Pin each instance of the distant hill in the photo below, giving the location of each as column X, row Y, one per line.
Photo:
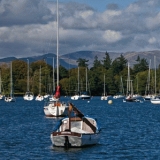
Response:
column 69, row 60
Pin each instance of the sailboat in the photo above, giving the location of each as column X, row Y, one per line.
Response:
column 29, row 96
column 156, row 98
column 10, row 98
column 56, row 108
column 121, row 94
column 77, row 94
column 104, row 96
column 1, row 95
column 52, row 96
column 46, row 95
column 39, row 96
column 76, row 130
column 129, row 97
column 136, row 95
column 148, row 94
column 85, row 94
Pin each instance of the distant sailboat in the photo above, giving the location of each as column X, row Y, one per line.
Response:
column 28, row 95
column 10, row 98
column 104, row 96
column 120, row 95
column 148, row 94
column 156, row 98
column 39, row 96
column 129, row 97
column 85, row 94
column 77, row 94
column 52, row 96
column 1, row 94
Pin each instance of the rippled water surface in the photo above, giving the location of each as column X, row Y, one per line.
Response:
column 129, row 131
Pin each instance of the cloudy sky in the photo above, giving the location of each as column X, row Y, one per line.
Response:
column 28, row 27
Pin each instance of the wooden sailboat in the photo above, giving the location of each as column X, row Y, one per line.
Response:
column 104, row 96
column 76, row 130
column 29, row 96
column 11, row 97
column 39, row 97
column 56, row 108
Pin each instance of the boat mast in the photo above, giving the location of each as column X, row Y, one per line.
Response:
column 86, row 78
column 11, row 80
column 104, row 86
column 0, row 83
column 28, row 76
column 78, row 79
column 149, row 76
column 122, row 88
column 53, row 77
column 128, row 81
column 155, row 73
column 57, row 44
column 40, row 80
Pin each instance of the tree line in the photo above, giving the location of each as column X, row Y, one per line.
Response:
column 68, row 78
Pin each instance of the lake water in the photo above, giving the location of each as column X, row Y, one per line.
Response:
column 129, row 131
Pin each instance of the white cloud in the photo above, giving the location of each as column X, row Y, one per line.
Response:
column 28, row 27
column 112, row 36
column 152, row 40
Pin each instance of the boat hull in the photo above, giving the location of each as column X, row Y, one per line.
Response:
column 60, row 139
column 118, row 97
column 28, row 96
column 85, row 97
column 10, row 99
column 155, row 101
column 1, row 97
column 54, row 109
column 104, row 98
column 76, row 97
column 39, row 98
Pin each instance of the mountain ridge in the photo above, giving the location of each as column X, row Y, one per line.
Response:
column 69, row 60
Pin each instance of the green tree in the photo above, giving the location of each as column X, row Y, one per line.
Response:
column 142, row 65
column 96, row 63
column 119, row 64
column 107, row 61
column 82, row 62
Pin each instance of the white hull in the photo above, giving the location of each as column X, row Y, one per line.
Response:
column 83, row 131
column 85, row 96
column 75, row 97
column 1, row 97
column 28, row 97
column 104, row 97
column 55, row 109
column 155, row 100
column 46, row 96
column 137, row 96
column 39, row 98
column 75, row 140
column 148, row 97
column 10, row 99
column 118, row 97
column 53, row 99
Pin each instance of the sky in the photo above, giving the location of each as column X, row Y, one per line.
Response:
column 29, row 27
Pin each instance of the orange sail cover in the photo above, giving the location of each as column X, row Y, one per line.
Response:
column 57, row 94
